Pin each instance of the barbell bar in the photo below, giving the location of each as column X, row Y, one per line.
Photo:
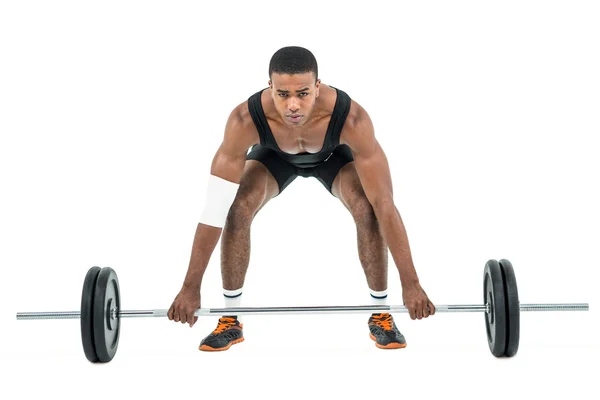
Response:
column 203, row 312
column 100, row 313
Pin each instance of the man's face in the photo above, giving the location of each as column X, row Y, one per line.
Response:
column 294, row 96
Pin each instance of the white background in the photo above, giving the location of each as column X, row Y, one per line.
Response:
column 110, row 113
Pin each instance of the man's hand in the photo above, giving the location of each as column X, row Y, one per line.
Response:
column 416, row 301
column 185, row 304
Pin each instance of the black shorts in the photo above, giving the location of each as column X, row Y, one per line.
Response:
column 284, row 172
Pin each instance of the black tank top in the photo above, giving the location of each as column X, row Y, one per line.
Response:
column 303, row 160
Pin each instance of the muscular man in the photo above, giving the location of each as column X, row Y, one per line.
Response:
column 299, row 126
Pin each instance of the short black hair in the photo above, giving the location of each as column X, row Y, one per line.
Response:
column 293, row 60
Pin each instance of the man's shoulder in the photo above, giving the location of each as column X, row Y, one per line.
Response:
column 241, row 122
column 355, row 110
column 242, row 110
column 356, row 114
column 240, row 117
column 358, row 126
column 240, row 129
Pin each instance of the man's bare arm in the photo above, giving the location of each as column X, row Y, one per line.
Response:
column 374, row 173
column 227, row 164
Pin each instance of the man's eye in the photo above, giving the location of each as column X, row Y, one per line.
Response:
column 303, row 94
column 282, row 94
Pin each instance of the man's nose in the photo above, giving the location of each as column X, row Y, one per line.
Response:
column 293, row 105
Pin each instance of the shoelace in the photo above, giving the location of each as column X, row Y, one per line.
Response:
column 384, row 320
column 224, row 324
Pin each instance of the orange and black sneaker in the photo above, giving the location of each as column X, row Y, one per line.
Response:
column 229, row 331
column 385, row 333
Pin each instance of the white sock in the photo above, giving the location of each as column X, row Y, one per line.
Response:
column 233, row 298
column 378, row 298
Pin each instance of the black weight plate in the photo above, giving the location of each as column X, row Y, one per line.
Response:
column 106, row 323
column 493, row 294
column 87, row 312
column 513, row 309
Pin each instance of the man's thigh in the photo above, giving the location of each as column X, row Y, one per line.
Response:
column 336, row 165
column 281, row 172
column 257, row 185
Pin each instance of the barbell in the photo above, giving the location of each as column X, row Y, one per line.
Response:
column 101, row 312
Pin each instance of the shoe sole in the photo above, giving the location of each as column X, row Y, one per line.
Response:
column 208, row 348
column 393, row 345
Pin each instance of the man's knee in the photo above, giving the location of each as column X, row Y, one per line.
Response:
column 257, row 186
column 243, row 209
column 361, row 209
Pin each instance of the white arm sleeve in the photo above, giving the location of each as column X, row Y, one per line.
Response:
column 220, row 194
